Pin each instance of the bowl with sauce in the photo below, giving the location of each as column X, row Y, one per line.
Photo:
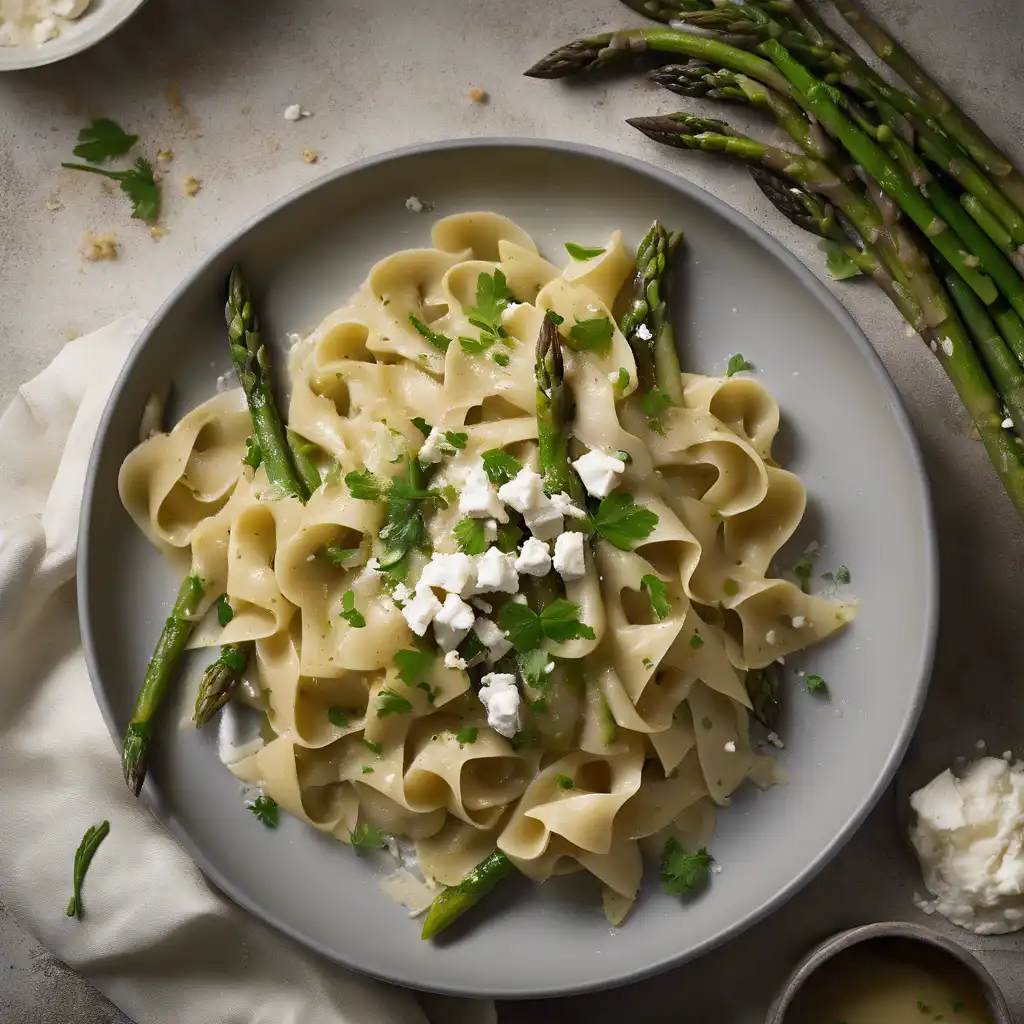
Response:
column 892, row 972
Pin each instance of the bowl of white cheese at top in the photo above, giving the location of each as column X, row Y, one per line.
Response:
column 37, row 32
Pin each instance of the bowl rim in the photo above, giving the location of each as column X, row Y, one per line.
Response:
column 804, row 276
column 841, row 941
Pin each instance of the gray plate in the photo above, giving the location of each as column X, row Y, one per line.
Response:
column 846, row 434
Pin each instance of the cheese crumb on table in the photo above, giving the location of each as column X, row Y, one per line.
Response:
column 99, row 247
column 415, row 205
column 190, row 185
column 294, row 112
column 478, row 95
column 310, row 156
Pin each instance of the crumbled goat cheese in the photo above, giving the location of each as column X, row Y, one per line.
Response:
column 452, row 622
column 455, row 660
column 373, row 565
column 599, row 472
column 500, row 696
column 44, row 30
column 293, row 112
column 644, row 332
column 485, row 606
column 401, row 593
column 421, row 610
column 613, row 377
column 431, row 450
column 731, row 747
column 453, row 573
column 414, row 204
column 799, row 621
column 534, row 559
column 775, row 741
column 1007, row 424
column 492, row 638
column 525, row 495
column 969, row 838
column 562, row 504
column 496, row 570
column 569, row 560
column 770, row 637
column 479, row 499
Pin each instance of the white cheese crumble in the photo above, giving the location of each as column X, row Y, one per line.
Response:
column 1007, row 424
column 373, row 565
column 455, row 660
column 415, row 205
column 775, row 741
column 562, row 504
column 644, row 332
column 534, row 559
column 491, row 530
column 569, row 560
column 509, row 310
column 525, row 494
column 496, row 571
column 947, row 347
column 500, row 696
column 799, row 621
column 421, row 611
column 401, row 593
column 730, row 747
column 44, row 30
column 613, row 377
column 599, row 472
column 453, row 573
column 432, row 450
column 479, row 499
column 485, row 606
column 770, row 637
column 293, row 112
column 969, row 838
column 492, row 638
column 452, row 622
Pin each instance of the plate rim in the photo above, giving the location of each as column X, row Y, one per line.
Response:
column 810, row 281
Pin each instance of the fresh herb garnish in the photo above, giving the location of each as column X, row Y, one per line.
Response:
column 539, row 706
column 455, row 441
column 624, row 456
column 467, row 735
column 474, row 346
column 433, row 338
column 533, row 668
column 555, row 318
column 349, row 612
column 815, row 684
column 373, row 745
column 426, row 688
column 137, row 183
column 622, row 522
column 391, row 703
column 338, row 717
column 696, row 641
column 253, row 453
column 737, row 364
column 565, row 782
column 492, row 296
column 684, row 873
column 337, row 555
column 102, row 140
column 224, row 611
column 592, row 335
column 422, row 425
column 500, row 358
column 412, row 665
column 367, row 837
column 802, row 569
column 559, row 621
column 656, row 592
column 509, row 536
column 405, row 528
column 499, row 466
column 843, row 575
column 366, row 769
column 622, row 382
column 94, row 835
column 582, row 252
column 653, row 406
column 266, row 810
column 471, row 648
column 362, row 484
column 470, row 536
column 647, row 663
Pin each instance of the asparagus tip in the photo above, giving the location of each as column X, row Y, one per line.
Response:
column 135, row 756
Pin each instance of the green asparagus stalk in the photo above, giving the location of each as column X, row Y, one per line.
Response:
column 995, row 231
column 219, row 682
column 252, row 365
column 1011, row 327
column 952, row 120
column 881, row 167
column 451, row 904
column 303, row 453
column 553, row 430
column 177, row 629
column 656, row 356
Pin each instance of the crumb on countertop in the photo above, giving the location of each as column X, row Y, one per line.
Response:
column 415, row 205
column 478, row 95
column 164, row 156
column 99, row 247
column 54, row 204
column 310, row 156
column 190, row 185
column 273, row 144
column 295, row 112
column 157, row 231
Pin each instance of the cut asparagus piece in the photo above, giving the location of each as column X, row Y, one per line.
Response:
column 219, row 682
column 451, row 904
column 553, row 427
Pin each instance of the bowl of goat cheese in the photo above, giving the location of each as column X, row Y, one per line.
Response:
column 37, row 32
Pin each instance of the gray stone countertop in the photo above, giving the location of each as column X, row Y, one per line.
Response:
column 210, row 82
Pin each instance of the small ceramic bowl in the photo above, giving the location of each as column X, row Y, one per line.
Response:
column 885, row 930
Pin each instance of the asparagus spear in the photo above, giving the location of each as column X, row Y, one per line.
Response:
column 177, row 629
column 451, row 904
column 995, row 231
column 553, row 417
column 952, row 120
column 656, row 356
column 219, row 682
column 302, row 455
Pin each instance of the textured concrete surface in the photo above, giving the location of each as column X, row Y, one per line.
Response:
column 210, row 82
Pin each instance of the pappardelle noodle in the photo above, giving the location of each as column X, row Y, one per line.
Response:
column 517, row 613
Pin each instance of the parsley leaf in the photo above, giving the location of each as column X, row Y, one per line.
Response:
column 802, row 569
column 532, row 667
column 696, row 641
column 433, row 338
column 372, row 745
column 455, row 440
column 405, row 528
column 366, row 769
column 338, row 556
column 684, row 873
column 560, row 621
column 843, row 575
column 391, row 703
column 102, row 140
column 565, row 782
column 137, row 183
column 426, row 688
column 367, row 837
column 470, row 536
column 592, row 335
column 656, row 592
column 555, row 318
column 94, row 835
column 348, row 610
column 467, row 735
column 653, row 406
column 737, row 364
column 412, row 665
column 622, row 522
column 522, row 624
column 509, row 536
column 499, row 466
column 265, row 809
column 474, row 346
column 422, row 425
column 225, row 613
column 815, row 684
column 253, row 453
column 581, row 252
column 492, row 296
column 338, row 717
column 501, row 359
column 623, row 379
column 624, row 456
column 363, row 485
column 471, row 648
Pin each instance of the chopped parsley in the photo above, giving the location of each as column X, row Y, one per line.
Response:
column 843, row 575
column 367, row 837
column 684, row 873
column 470, row 536
column 253, row 452
column 391, row 703
column 94, row 835
column 622, row 522
column 233, row 657
column 102, row 140
column 555, row 318
column 581, row 252
column 137, row 183
column 366, row 769
column 838, row 263
column 815, row 684
column 509, row 536
column 224, row 611
column 348, row 610
column 338, row 717
column 737, row 364
column 492, row 296
column 696, row 641
column 426, row 688
column 433, row 338
column 622, row 382
column 412, row 665
column 404, row 499
column 471, row 648
column 647, row 663
column 592, row 335
column 266, row 810
column 565, row 782
column 422, row 425
column 455, row 441
column 500, row 358
column 337, row 555
column 656, row 592
column 559, row 621
column 362, row 484
column 539, row 706
column 533, row 668
column 706, row 723
column 372, row 745
column 624, row 456
column 802, row 570
column 653, row 406
column 499, row 466
column 474, row 346
column 467, row 735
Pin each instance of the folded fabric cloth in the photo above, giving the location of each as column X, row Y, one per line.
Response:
column 156, row 937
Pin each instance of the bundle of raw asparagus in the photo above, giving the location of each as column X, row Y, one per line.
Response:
column 902, row 185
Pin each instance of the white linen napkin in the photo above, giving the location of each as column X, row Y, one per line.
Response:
column 156, row 937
